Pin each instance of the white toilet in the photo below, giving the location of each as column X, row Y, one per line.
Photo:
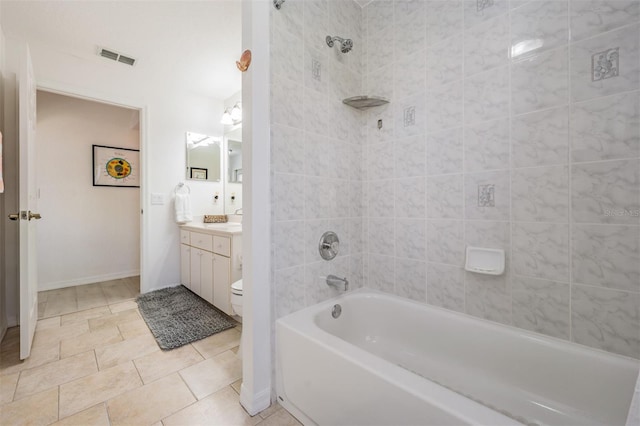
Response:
column 236, row 305
column 236, row 297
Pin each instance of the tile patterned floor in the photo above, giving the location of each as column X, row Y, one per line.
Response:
column 95, row 362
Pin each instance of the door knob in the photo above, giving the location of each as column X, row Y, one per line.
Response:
column 34, row 216
column 15, row 216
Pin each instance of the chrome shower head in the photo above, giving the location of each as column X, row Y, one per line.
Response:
column 346, row 44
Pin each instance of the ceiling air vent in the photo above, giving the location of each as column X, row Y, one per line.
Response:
column 126, row 60
column 115, row 56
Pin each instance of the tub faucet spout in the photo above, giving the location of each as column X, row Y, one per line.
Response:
column 337, row 282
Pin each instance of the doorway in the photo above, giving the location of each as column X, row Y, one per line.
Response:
column 89, row 243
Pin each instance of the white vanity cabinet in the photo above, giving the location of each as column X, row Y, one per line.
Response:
column 211, row 260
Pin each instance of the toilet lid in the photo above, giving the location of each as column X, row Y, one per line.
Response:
column 237, row 286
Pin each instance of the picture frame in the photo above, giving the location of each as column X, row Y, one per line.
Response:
column 198, row 173
column 116, row 167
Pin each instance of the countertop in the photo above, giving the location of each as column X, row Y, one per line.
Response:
column 227, row 228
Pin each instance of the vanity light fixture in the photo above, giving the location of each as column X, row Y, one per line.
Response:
column 226, row 118
column 232, row 117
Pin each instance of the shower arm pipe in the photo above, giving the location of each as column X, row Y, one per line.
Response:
column 278, row 3
column 331, row 40
column 346, row 44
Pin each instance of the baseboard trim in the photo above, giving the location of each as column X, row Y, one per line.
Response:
column 87, row 280
column 255, row 403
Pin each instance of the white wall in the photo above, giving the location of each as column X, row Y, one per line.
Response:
column 88, row 233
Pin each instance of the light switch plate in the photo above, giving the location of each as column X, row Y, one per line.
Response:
column 157, row 199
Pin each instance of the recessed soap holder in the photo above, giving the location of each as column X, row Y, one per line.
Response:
column 329, row 245
column 485, row 260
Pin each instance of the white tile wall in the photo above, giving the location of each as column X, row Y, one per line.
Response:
column 504, row 98
column 318, row 155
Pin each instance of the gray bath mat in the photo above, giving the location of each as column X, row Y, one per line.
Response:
column 177, row 317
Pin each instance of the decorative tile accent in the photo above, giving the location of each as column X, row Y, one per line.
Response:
column 486, row 195
column 487, row 206
column 605, row 64
column 410, row 116
column 316, row 69
column 584, row 86
column 483, row 4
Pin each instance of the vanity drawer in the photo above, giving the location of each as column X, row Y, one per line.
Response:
column 222, row 245
column 184, row 237
column 202, row 241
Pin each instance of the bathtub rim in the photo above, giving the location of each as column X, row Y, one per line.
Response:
column 295, row 317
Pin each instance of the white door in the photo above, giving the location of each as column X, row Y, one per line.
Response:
column 27, row 202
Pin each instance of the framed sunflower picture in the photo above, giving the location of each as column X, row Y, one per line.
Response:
column 116, row 166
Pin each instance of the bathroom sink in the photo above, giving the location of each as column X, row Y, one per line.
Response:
column 227, row 227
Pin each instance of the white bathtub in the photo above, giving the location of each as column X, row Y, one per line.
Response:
column 391, row 361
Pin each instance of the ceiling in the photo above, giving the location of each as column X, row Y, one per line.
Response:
column 191, row 43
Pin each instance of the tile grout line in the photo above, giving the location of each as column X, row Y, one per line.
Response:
column 570, row 221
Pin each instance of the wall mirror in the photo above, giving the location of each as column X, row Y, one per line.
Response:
column 233, row 175
column 234, row 159
column 203, row 157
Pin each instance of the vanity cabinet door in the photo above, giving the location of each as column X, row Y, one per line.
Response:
column 185, row 265
column 206, row 276
column 222, row 288
column 196, row 257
